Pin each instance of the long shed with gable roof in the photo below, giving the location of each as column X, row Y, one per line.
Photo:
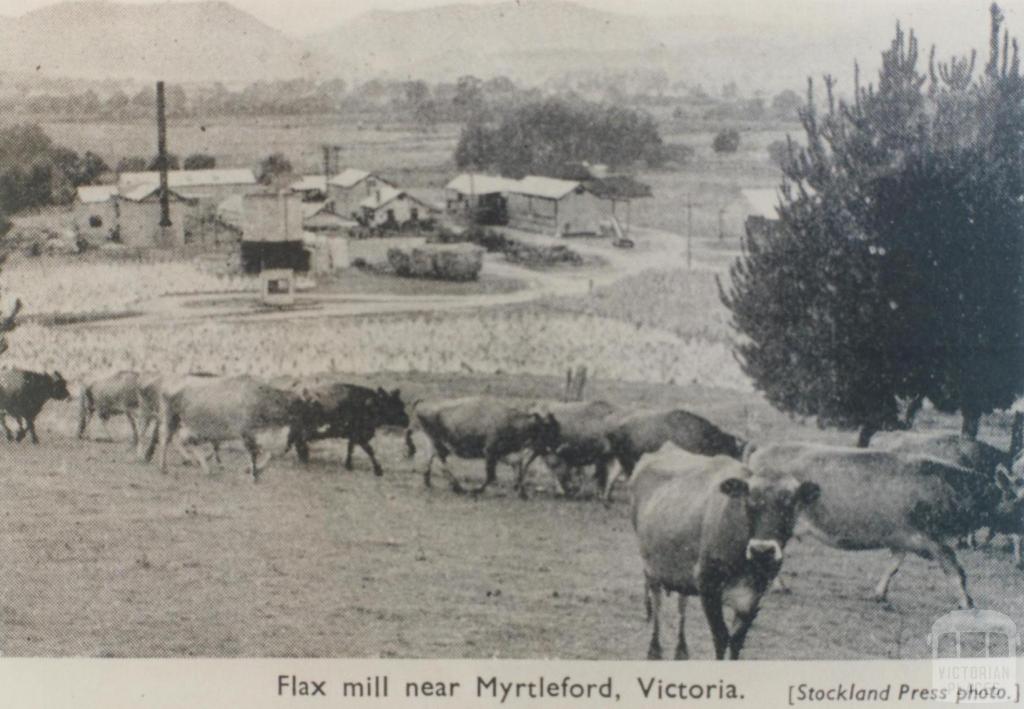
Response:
column 556, row 207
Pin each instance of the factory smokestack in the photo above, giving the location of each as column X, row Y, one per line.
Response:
column 161, row 155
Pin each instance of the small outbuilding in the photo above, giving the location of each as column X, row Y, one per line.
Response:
column 95, row 211
column 138, row 217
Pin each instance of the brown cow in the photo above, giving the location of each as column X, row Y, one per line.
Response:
column 648, row 430
column 22, row 396
column 707, row 527
column 482, row 427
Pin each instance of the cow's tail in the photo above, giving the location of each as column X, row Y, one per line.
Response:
column 85, row 408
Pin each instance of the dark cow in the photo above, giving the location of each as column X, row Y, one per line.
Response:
column 647, row 431
column 22, row 396
column 874, row 499
column 483, row 427
column 338, row 410
column 113, row 395
column 213, row 410
column 707, row 527
column 981, row 457
column 583, row 428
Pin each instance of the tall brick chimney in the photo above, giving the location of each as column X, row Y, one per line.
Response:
column 161, row 155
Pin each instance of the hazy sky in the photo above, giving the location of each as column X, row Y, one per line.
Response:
column 941, row 21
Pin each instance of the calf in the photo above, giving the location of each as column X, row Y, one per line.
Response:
column 707, row 527
column 114, row 395
column 647, row 431
column 338, row 410
column 881, row 500
column 22, row 396
column 483, row 427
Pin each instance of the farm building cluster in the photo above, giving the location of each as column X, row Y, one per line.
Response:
column 310, row 224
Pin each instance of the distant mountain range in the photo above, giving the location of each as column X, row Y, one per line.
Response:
column 527, row 40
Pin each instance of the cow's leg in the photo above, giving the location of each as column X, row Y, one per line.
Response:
column 652, row 600
column 22, row 429
column 934, row 549
column 956, row 574
column 377, row 470
column 253, row 449
column 746, row 612
column 104, row 421
column 410, row 446
column 882, row 589
column 452, row 480
column 681, row 652
column 7, row 431
column 521, row 473
column 216, row 452
column 711, row 600
column 194, row 452
column 135, row 430
column 154, row 438
column 1015, row 540
column 166, row 429
column 617, row 471
column 348, row 455
column 30, row 424
column 491, row 467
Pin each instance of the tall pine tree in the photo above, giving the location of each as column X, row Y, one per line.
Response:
column 896, row 270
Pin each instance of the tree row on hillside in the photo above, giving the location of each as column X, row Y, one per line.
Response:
column 896, row 271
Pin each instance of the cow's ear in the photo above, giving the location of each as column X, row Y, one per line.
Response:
column 734, row 487
column 1003, row 480
column 808, row 493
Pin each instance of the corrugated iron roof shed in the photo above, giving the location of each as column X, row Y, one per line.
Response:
column 546, row 187
column 144, row 191
column 310, row 183
column 349, row 177
column 189, row 178
column 471, row 183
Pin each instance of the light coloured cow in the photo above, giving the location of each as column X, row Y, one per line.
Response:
column 707, row 527
column 213, row 410
column 874, row 499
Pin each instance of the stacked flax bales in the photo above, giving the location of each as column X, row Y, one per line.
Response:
column 446, row 262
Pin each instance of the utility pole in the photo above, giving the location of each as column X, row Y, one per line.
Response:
column 721, row 224
column 689, row 232
column 161, row 155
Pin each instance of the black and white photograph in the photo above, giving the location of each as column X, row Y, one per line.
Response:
column 511, row 329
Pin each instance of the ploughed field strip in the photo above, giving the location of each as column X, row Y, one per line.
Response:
column 106, row 556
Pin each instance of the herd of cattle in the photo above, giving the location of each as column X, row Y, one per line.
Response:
column 712, row 512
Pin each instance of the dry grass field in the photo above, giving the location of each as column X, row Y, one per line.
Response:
column 106, row 557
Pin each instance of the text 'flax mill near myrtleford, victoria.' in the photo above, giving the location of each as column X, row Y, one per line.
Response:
column 410, row 330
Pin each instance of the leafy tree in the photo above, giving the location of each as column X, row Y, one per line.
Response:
column 543, row 137
column 273, row 168
column 894, row 273
column 787, row 104
column 200, row 161
column 134, row 163
column 90, row 168
column 173, row 163
column 726, row 141
column 778, row 152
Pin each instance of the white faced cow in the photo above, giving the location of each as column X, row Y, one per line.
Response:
column 881, row 500
column 709, row 528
